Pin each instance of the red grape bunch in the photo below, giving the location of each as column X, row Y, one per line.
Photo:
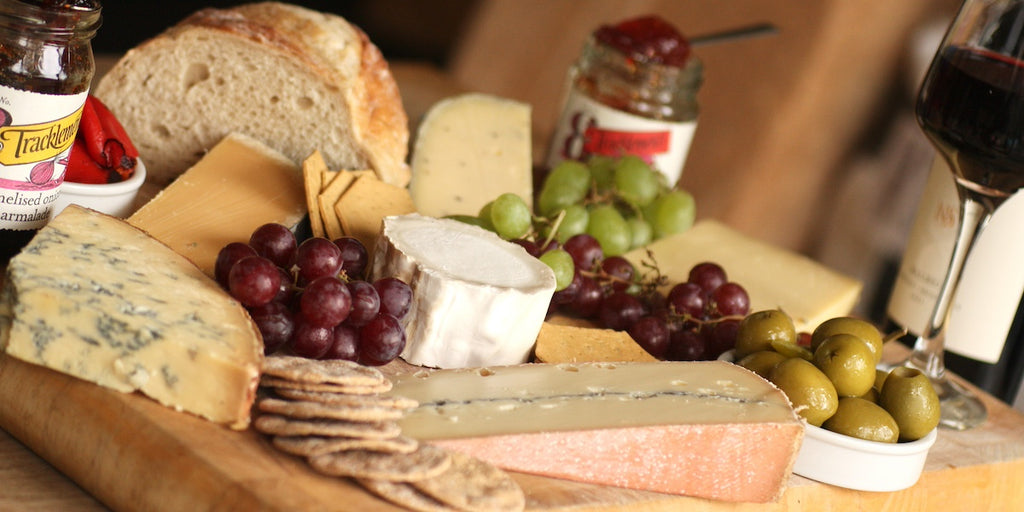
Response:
column 312, row 298
column 697, row 320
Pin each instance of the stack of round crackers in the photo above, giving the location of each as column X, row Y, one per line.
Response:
column 333, row 413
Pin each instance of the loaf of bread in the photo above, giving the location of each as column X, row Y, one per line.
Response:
column 295, row 79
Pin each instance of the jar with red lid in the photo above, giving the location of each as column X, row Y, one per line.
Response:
column 633, row 90
column 46, row 67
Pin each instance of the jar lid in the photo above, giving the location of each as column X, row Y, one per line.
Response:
column 52, row 17
column 647, row 39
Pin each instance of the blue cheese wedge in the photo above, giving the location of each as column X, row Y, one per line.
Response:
column 95, row 298
column 477, row 299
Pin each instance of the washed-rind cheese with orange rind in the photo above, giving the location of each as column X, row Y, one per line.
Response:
column 708, row 429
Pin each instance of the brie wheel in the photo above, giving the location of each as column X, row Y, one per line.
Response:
column 477, row 300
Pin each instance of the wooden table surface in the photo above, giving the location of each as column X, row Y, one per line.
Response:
column 980, row 469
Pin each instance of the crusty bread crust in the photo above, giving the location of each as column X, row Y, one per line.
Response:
column 309, row 81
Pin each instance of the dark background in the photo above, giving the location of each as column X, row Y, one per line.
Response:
column 402, row 29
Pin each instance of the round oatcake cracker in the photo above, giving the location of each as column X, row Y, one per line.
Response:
column 310, row 446
column 472, row 484
column 309, row 410
column 425, row 462
column 277, row 425
column 405, row 495
column 328, row 371
column 269, row 381
column 396, row 402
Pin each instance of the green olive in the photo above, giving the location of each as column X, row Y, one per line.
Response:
column 791, row 349
column 762, row 361
column 757, row 331
column 808, row 389
column 909, row 397
column 848, row 362
column 856, row 417
column 849, row 325
column 871, row 395
column 880, row 376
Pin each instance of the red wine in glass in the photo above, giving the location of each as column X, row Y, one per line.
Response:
column 973, row 110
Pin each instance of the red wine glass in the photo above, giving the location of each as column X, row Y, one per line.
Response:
column 971, row 107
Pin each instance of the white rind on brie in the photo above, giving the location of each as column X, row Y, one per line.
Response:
column 477, row 299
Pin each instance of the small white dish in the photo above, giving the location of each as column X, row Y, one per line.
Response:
column 853, row 463
column 115, row 199
column 861, row 465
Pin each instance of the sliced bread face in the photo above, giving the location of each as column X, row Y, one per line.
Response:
column 297, row 80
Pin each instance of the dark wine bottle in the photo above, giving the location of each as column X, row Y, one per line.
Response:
column 985, row 333
column 1002, row 378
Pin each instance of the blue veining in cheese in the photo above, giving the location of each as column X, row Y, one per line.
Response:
column 96, row 298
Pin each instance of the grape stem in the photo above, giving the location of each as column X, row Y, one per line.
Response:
column 651, row 264
column 554, row 228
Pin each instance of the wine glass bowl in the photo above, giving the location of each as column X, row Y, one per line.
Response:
column 971, row 108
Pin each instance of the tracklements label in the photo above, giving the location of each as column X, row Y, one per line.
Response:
column 588, row 127
column 36, row 134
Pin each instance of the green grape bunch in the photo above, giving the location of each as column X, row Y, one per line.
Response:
column 622, row 202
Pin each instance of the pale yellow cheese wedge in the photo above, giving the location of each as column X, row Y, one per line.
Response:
column 469, row 150
column 773, row 277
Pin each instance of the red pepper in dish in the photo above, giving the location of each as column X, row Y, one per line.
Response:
column 102, row 152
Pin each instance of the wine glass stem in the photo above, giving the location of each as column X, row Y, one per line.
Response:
column 928, row 349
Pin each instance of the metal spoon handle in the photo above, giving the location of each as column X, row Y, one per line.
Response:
column 735, row 34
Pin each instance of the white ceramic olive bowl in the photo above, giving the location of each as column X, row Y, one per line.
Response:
column 115, row 199
column 853, row 463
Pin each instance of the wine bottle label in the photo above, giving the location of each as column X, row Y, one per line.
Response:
column 588, row 127
column 993, row 279
column 36, row 134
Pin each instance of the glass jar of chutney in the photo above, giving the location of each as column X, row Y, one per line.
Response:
column 46, row 68
column 633, row 90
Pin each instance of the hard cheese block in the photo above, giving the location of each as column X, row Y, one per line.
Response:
column 469, row 150
column 477, row 299
column 238, row 186
column 774, row 278
column 96, row 298
column 364, row 205
column 558, row 342
column 708, row 429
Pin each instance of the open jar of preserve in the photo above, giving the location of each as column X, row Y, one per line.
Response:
column 633, row 90
column 46, row 67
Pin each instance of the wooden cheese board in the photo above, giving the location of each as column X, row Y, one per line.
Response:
column 134, row 454
column 131, row 453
